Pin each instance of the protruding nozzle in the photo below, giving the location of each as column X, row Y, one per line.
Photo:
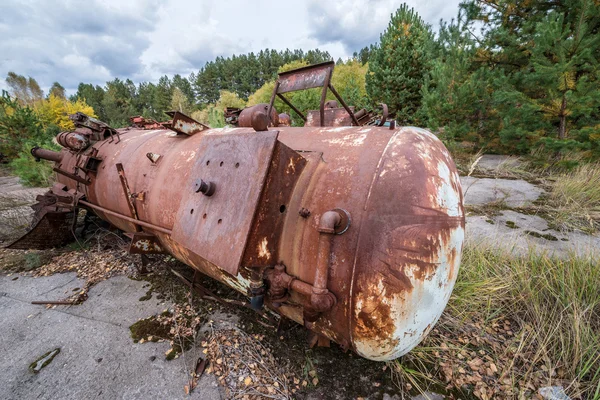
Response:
column 206, row 188
column 44, row 154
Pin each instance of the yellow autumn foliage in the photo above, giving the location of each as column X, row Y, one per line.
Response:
column 55, row 110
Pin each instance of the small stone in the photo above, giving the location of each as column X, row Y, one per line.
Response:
column 152, row 358
column 99, row 360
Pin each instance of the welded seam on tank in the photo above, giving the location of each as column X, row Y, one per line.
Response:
column 358, row 240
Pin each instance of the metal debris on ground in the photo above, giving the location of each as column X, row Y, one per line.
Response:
column 246, row 367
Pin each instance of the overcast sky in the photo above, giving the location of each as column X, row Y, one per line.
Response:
column 94, row 41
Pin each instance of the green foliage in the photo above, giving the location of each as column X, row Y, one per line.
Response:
column 457, row 97
column 364, row 55
column 30, row 171
column 92, row 95
column 399, row 66
column 117, row 102
column 17, row 124
column 546, row 58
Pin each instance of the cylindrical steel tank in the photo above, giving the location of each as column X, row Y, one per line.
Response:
column 391, row 271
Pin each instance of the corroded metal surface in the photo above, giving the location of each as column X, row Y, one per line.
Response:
column 181, row 123
column 217, row 227
column 356, row 231
column 333, row 117
column 247, row 114
column 312, row 76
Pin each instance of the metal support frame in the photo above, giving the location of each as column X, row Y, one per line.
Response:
column 307, row 78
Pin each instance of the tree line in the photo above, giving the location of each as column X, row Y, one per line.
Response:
column 503, row 75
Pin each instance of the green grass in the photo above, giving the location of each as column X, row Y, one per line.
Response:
column 552, row 309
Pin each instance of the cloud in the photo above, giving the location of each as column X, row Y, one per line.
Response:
column 71, row 42
column 94, row 41
column 358, row 23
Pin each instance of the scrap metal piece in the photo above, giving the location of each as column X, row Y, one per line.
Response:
column 310, row 77
column 183, row 124
column 75, row 177
column 153, row 157
column 144, row 243
column 145, row 123
column 52, row 221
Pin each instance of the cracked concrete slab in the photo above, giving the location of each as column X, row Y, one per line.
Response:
column 98, row 358
column 495, row 162
column 520, row 233
column 513, row 193
column 15, row 211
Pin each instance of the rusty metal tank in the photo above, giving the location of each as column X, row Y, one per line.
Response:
column 355, row 232
column 390, row 266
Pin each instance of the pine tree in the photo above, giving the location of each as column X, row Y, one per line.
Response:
column 457, row 97
column 400, row 64
column 548, row 54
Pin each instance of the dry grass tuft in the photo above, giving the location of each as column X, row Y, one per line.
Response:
column 514, row 325
column 575, row 199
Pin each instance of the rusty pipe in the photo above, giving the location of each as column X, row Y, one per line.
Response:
column 327, row 224
column 45, row 154
column 320, row 298
column 126, row 218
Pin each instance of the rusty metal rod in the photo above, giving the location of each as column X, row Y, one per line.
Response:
column 323, row 97
column 272, row 102
column 54, row 302
column 72, row 176
column 126, row 218
column 293, row 107
column 45, row 154
column 348, row 110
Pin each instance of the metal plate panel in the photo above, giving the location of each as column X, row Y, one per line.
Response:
column 216, row 227
column 304, row 78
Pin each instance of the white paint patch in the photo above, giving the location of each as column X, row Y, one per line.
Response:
column 191, row 157
column 417, row 311
column 238, row 282
column 263, row 250
column 291, row 166
column 447, row 198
